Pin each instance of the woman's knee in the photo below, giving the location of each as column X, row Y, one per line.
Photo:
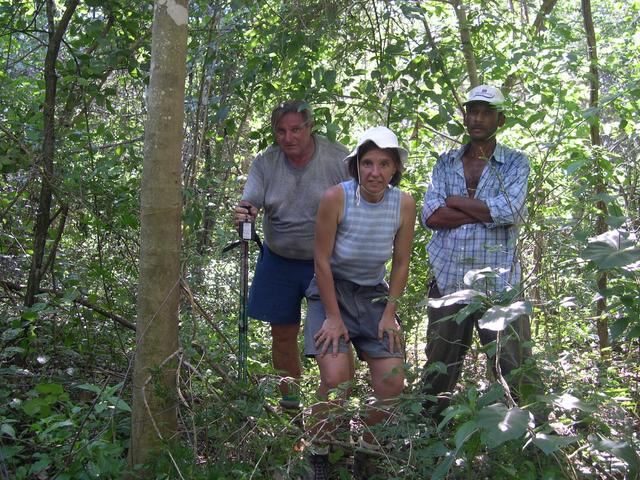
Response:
column 333, row 380
column 389, row 385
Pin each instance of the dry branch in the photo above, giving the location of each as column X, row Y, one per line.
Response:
column 81, row 301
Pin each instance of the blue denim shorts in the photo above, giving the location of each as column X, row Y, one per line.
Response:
column 278, row 287
column 361, row 308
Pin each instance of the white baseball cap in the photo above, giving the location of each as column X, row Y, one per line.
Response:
column 383, row 138
column 487, row 94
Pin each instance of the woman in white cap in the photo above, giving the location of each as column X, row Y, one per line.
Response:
column 361, row 224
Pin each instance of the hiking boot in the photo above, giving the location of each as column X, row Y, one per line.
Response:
column 319, row 467
column 365, row 465
column 290, row 402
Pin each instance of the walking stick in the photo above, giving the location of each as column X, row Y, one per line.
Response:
column 242, row 320
column 247, row 233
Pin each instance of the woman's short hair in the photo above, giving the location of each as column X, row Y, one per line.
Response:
column 370, row 145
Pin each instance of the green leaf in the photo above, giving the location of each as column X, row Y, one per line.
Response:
column 455, row 129
column 464, row 432
column 461, row 296
column 11, row 334
column 618, row 327
column 502, row 424
column 40, row 465
column 536, row 117
column 119, row 404
column 575, row 166
column 89, row 387
column 492, row 395
column 53, row 388
column 33, row 406
column 9, row 352
column 591, row 112
column 332, row 132
column 475, row 275
column 612, row 249
column 451, row 412
column 335, row 455
column 29, row 316
column 8, row 430
column 70, row 295
column 329, row 79
column 569, row 402
column 222, row 113
column 497, row 318
column 621, row 450
column 443, row 467
column 551, row 443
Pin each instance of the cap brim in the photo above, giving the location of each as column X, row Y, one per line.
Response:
column 404, row 154
column 493, row 104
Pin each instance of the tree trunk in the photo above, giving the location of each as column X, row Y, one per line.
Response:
column 467, row 45
column 43, row 216
column 524, row 11
column 154, row 417
column 543, row 13
column 538, row 26
column 600, row 187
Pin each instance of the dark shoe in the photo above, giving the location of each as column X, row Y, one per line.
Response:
column 365, row 465
column 290, row 402
column 318, row 467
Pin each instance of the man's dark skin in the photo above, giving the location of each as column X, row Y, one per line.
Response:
column 482, row 122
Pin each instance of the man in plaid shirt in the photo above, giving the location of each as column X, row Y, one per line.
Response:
column 474, row 202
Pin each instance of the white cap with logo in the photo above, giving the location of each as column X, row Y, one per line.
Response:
column 487, row 94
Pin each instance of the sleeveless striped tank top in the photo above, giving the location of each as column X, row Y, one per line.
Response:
column 364, row 237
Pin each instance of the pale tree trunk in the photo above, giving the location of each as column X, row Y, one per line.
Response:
column 510, row 5
column 538, row 27
column 154, row 417
column 600, row 187
column 543, row 13
column 465, row 40
column 43, row 217
column 524, row 11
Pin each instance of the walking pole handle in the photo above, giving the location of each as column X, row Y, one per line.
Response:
column 246, row 228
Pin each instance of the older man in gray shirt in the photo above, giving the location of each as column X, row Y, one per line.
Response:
column 287, row 181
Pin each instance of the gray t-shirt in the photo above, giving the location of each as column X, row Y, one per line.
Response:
column 290, row 195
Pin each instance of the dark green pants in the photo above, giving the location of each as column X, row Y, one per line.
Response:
column 448, row 342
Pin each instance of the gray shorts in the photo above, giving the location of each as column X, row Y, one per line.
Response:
column 360, row 314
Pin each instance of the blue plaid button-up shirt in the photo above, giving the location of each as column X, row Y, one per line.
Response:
column 453, row 252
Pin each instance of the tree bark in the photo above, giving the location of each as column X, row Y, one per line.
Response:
column 43, row 216
column 467, row 45
column 543, row 13
column 538, row 27
column 600, row 187
column 524, row 11
column 154, row 417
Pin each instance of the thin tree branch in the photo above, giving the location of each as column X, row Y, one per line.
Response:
column 85, row 303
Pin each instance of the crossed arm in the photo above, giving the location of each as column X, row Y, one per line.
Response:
column 459, row 211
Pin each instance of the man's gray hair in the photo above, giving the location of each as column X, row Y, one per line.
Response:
column 292, row 106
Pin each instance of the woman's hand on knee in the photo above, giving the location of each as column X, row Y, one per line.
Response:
column 390, row 326
column 329, row 336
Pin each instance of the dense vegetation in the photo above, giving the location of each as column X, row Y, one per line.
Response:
column 72, row 118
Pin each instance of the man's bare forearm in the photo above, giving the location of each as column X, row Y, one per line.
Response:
column 472, row 207
column 446, row 217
